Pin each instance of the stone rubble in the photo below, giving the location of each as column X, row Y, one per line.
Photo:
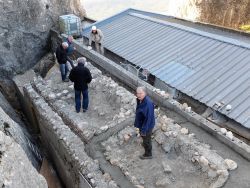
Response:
column 231, row 165
column 184, row 131
column 229, row 135
column 171, row 136
column 162, row 182
column 164, row 94
column 223, row 177
column 209, row 160
column 223, row 131
column 166, row 167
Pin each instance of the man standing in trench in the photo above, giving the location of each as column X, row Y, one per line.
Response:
column 61, row 55
column 81, row 77
column 70, row 50
column 145, row 120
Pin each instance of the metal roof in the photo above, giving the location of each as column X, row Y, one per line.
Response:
column 207, row 66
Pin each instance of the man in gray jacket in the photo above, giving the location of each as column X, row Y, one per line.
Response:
column 96, row 36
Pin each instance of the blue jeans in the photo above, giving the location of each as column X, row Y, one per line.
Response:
column 64, row 70
column 85, row 99
column 71, row 62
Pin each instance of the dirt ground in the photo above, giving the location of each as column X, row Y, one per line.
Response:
column 150, row 173
column 106, row 106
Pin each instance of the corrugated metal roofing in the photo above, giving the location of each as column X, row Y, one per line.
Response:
column 208, row 67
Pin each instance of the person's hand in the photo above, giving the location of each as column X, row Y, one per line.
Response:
column 142, row 134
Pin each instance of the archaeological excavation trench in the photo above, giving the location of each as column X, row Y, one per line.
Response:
column 100, row 148
column 45, row 143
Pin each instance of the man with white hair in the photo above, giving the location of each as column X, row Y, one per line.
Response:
column 97, row 36
column 145, row 120
column 61, row 55
column 81, row 77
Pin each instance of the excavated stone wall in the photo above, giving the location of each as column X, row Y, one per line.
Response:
column 64, row 147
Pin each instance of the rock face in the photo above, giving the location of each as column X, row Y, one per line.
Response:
column 229, row 13
column 24, row 30
column 15, row 168
column 45, row 64
column 18, row 133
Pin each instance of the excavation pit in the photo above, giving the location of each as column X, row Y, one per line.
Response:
column 180, row 160
column 109, row 103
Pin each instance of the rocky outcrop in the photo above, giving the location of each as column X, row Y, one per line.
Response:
column 16, row 155
column 19, row 133
column 8, row 109
column 24, row 31
column 16, row 170
column 229, row 13
column 45, row 64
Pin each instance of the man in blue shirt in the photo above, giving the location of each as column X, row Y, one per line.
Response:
column 145, row 120
column 70, row 50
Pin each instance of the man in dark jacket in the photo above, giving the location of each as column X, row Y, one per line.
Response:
column 81, row 77
column 145, row 120
column 61, row 55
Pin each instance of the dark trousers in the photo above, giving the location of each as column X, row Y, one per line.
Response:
column 147, row 143
column 71, row 62
column 85, row 99
column 98, row 47
column 64, row 70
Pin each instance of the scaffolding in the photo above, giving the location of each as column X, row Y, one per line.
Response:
column 136, row 70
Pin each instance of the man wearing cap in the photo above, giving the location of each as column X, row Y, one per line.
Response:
column 145, row 120
column 61, row 56
column 96, row 35
column 81, row 77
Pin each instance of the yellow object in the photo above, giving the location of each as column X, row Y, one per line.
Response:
column 245, row 28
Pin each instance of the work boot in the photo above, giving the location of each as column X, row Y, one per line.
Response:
column 142, row 157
